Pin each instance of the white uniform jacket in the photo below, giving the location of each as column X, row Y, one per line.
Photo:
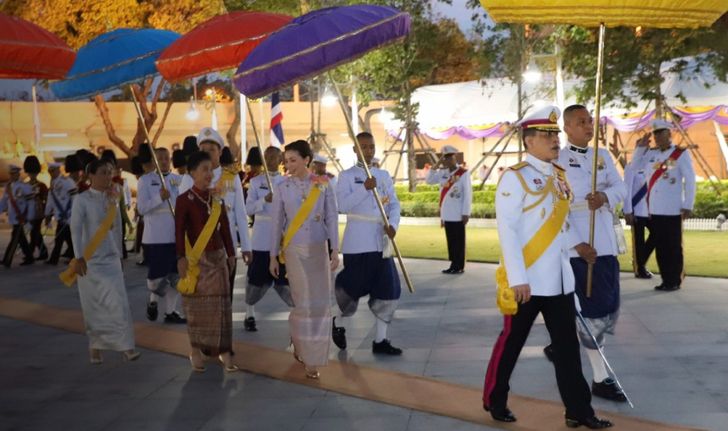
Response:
column 262, row 210
column 458, row 199
column 232, row 194
column 551, row 274
column 579, row 164
column 158, row 220
column 364, row 226
column 675, row 189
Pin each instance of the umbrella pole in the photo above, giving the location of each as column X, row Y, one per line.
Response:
column 382, row 212
column 146, row 135
column 260, row 148
column 595, row 164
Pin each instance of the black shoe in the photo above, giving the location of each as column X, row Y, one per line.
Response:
column 643, row 273
column 447, row 271
column 667, row 288
column 249, row 324
column 505, row 415
column 659, row 287
column 338, row 334
column 608, row 390
column 28, row 261
column 548, row 351
column 51, row 262
column 384, row 347
column 142, row 262
column 152, row 311
column 43, row 256
column 173, row 317
column 452, row 271
column 593, row 423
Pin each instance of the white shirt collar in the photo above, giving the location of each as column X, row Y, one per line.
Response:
column 545, row 168
column 576, row 149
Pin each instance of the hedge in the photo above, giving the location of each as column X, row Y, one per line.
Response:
column 424, row 202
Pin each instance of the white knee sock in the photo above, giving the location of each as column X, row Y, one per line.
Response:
column 172, row 302
column 381, row 330
column 250, row 312
column 153, row 297
column 598, row 368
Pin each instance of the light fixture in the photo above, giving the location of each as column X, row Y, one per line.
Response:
column 328, row 100
column 192, row 114
column 532, row 74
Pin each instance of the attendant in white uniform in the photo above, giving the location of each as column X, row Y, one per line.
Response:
column 18, row 202
column 456, row 196
column 367, row 271
column 231, row 191
column 637, row 216
column 58, row 205
column 535, row 270
column 601, row 309
column 318, row 167
column 101, row 287
column 670, row 198
column 158, row 239
column 259, row 205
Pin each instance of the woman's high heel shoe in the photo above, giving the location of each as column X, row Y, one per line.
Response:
column 131, row 355
column 198, row 368
column 228, row 367
column 312, row 373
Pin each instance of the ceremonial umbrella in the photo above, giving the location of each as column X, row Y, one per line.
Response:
column 315, row 43
column 31, row 52
column 606, row 13
column 220, row 43
column 111, row 60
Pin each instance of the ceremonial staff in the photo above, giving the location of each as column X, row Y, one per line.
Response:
column 257, row 143
column 382, row 212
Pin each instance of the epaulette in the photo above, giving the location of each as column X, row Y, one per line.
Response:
column 518, row 166
column 557, row 166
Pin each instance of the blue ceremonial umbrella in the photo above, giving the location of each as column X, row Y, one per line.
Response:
column 316, row 42
column 112, row 60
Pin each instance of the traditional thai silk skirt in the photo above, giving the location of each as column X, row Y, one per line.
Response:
column 309, row 275
column 209, row 311
column 105, row 306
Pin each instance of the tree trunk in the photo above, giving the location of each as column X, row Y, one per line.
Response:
column 110, row 131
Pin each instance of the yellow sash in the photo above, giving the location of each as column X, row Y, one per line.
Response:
column 300, row 217
column 536, row 246
column 187, row 285
column 69, row 275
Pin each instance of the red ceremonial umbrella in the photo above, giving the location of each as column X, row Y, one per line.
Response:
column 31, row 52
column 219, row 43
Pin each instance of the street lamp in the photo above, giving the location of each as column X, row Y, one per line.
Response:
column 328, row 100
column 532, row 74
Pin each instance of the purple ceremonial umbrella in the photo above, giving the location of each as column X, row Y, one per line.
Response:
column 316, row 42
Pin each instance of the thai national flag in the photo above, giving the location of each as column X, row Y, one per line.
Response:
column 276, row 118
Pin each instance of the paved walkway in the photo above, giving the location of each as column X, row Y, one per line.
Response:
column 669, row 351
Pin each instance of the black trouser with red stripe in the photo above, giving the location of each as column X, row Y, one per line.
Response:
column 667, row 231
column 559, row 313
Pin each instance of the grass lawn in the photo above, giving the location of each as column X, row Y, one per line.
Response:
column 706, row 253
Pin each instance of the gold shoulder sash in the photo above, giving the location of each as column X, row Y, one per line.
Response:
column 68, row 277
column 537, row 245
column 187, row 285
column 301, row 215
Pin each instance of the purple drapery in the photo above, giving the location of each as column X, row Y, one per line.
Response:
column 688, row 118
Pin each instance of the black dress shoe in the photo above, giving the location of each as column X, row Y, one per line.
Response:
column 548, row 351
column 152, row 311
column 667, row 288
column 142, row 262
column 505, row 415
column 173, row 317
column 643, row 273
column 447, row 271
column 338, row 334
column 384, row 347
column 608, row 390
column 249, row 324
column 593, row 423
column 659, row 287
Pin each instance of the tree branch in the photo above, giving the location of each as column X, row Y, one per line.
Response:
column 110, row 131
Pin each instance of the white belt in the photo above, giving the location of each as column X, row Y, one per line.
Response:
column 579, row 206
column 364, row 218
column 263, row 217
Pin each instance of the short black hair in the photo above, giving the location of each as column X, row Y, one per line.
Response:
column 226, row 157
column 194, row 160
column 94, row 166
column 31, row 165
column 145, row 153
column 85, row 157
column 254, row 158
column 272, row 148
column 302, row 148
column 189, row 145
column 178, row 159
column 72, row 164
column 572, row 108
column 136, row 166
column 364, row 135
column 109, row 156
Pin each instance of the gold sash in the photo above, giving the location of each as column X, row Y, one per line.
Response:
column 69, row 275
column 300, row 218
column 188, row 284
column 536, row 246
